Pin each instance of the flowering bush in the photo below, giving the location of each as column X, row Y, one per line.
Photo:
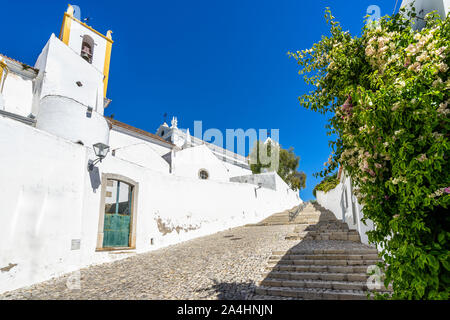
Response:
column 388, row 91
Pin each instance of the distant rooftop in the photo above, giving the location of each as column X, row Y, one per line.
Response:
column 24, row 65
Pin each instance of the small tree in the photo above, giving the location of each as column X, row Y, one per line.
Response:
column 287, row 167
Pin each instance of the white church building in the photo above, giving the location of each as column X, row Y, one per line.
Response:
column 78, row 188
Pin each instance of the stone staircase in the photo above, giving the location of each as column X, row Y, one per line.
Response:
column 317, row 223
column 284, row 217
column 338, row 271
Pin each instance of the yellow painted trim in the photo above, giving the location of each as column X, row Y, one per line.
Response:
column 88, row 27
column 65, row 29
column 3, row 74
column 106, row 67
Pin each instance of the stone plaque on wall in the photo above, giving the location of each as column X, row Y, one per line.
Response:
column 76, row 243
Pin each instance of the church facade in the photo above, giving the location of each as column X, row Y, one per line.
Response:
column 78, row 188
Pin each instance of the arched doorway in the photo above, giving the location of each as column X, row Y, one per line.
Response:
column 117, row 224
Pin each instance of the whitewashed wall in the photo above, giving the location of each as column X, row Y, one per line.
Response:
column 144, row 155
column 71, row 120
column 48, row 199
column 18, row 94
column 61, row 104
column 41, row 197
column 345, row 207
column 188, row 163
column 235, row 171
column 119, row 140
column 331, row 200
column 63, row 69
column 77, row 31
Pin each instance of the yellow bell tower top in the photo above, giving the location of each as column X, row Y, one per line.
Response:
column 93, row 46
column 3, row 73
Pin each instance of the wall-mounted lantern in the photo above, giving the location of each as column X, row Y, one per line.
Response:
column 89, row 112
column 101, row 150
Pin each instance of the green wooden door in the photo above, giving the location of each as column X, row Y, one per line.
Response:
column 118, row 205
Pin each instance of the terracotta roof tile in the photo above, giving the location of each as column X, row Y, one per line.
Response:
column 134, row 129
column 26, row 65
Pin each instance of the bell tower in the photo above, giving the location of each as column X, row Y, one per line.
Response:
column 90, row 44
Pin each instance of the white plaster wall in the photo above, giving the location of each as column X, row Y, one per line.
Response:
column 41, row 188
column 119, row 140
column 188, row 162
column 64, row 68
column 71, row 120
column 283, row 187
column 142, row 154
column 339, row 201
column 77, row 31
column 442, row 6
column 266, row 180
column 48, row 198
column 331, row 201
column 235, row 171
column 424, row 7
column 18, row 94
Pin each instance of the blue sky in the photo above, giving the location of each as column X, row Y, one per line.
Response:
column 223, row 62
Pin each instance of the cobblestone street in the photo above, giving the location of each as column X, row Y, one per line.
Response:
column 226, row 265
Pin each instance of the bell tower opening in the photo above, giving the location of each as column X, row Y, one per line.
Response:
column 87, row 48
column 84, row 40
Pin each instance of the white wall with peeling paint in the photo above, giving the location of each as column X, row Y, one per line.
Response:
column 48, row 199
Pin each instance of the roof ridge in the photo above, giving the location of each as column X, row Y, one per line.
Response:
column 137, row 130
column 17, row 61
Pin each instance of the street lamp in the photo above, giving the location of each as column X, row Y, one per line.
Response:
column 101, row 150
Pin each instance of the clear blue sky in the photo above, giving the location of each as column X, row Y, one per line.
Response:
column 223, row 62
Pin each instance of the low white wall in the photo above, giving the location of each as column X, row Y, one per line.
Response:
column 264, row 180
column 345, row 207
column 48, row 199
column 331, row 200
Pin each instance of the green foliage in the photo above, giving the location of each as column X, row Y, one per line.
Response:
column 327, row 184
column 287, row 165
column 388, row 91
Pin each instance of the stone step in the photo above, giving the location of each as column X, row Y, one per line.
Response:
column 263, row 297
column 316, row 262
column 320, row 284
column 342, row 236
column 305, row 221
column 331, row 232
column 311, row 294
column 323, row 228
column 324, row 276
column 327, row 251
column 347, row 256
column 309, row 215
column 319, row 268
